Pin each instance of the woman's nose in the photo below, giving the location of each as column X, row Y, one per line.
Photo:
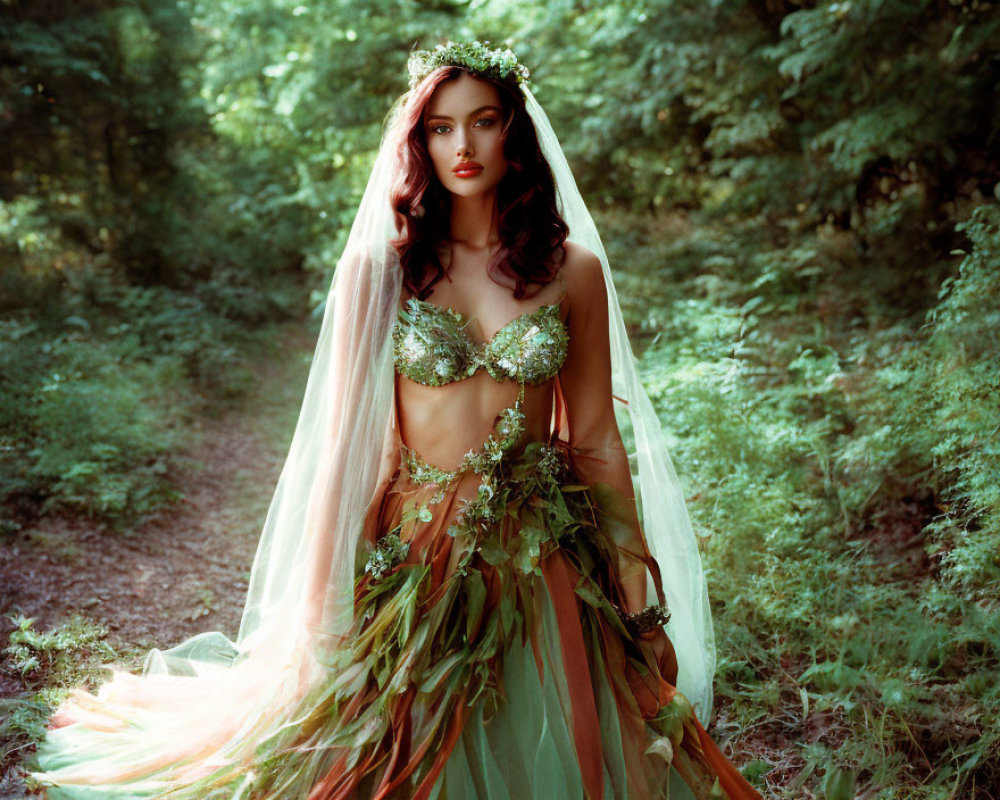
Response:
column 463, row 146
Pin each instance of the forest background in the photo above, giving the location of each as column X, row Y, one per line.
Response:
column 800, row 200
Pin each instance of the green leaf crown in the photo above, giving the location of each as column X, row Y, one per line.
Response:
column 474, row 56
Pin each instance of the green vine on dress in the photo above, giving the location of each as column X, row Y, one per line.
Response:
column 390, row 553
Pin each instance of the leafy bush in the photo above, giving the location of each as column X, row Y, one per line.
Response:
column 156, row 322
column 841, row 463
column 101, row 441
column 84, row 430
column 950, row 414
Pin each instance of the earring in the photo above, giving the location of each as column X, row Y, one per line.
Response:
column 416, row 211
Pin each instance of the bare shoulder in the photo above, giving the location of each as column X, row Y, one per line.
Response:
column 584, row 277
column 581, row 263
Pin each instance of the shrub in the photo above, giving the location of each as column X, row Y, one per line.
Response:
column 840, row 460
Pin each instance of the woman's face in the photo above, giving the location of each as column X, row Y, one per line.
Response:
column 462, row 121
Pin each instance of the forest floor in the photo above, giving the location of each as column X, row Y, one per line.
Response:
column 185, row 569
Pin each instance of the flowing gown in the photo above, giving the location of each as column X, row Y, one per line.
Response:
column 487, row 659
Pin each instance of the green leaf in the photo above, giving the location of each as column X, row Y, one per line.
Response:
column 475, row 590
column 441, row 670
column 838, row 784
column 492, row 552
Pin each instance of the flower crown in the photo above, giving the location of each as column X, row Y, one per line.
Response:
column 474, row 56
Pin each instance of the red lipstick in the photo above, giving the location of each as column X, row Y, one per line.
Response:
column 467, row 169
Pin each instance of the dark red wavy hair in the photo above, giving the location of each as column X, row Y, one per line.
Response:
column 532, row 233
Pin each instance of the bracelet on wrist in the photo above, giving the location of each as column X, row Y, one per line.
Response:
column 640, row 622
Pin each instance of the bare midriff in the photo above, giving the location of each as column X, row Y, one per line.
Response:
column 443, row 423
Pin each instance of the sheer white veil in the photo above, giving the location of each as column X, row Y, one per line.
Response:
column 201, row 704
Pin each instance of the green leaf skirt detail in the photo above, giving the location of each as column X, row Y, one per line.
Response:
column 486, row 660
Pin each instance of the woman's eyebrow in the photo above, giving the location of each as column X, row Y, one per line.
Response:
column 471, row 113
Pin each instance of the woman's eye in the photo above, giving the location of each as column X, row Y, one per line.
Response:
column 482, row 122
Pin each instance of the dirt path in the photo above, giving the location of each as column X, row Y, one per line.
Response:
column 183, row 571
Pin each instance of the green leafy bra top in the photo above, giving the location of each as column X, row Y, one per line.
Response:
column 431, row 346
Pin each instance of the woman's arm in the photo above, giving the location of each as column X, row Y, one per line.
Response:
column 585, row 382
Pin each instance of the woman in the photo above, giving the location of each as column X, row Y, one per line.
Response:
column 450, row 595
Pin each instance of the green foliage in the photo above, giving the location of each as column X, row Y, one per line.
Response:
column 23, row 722
column 300, row 92
column 82, row 430
column 842, row 469
column 48, row 664
column 97, row 394
column 136, row 269
column 818, row 109
column 99, row 441
column 950, row 414
column 60, row 656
